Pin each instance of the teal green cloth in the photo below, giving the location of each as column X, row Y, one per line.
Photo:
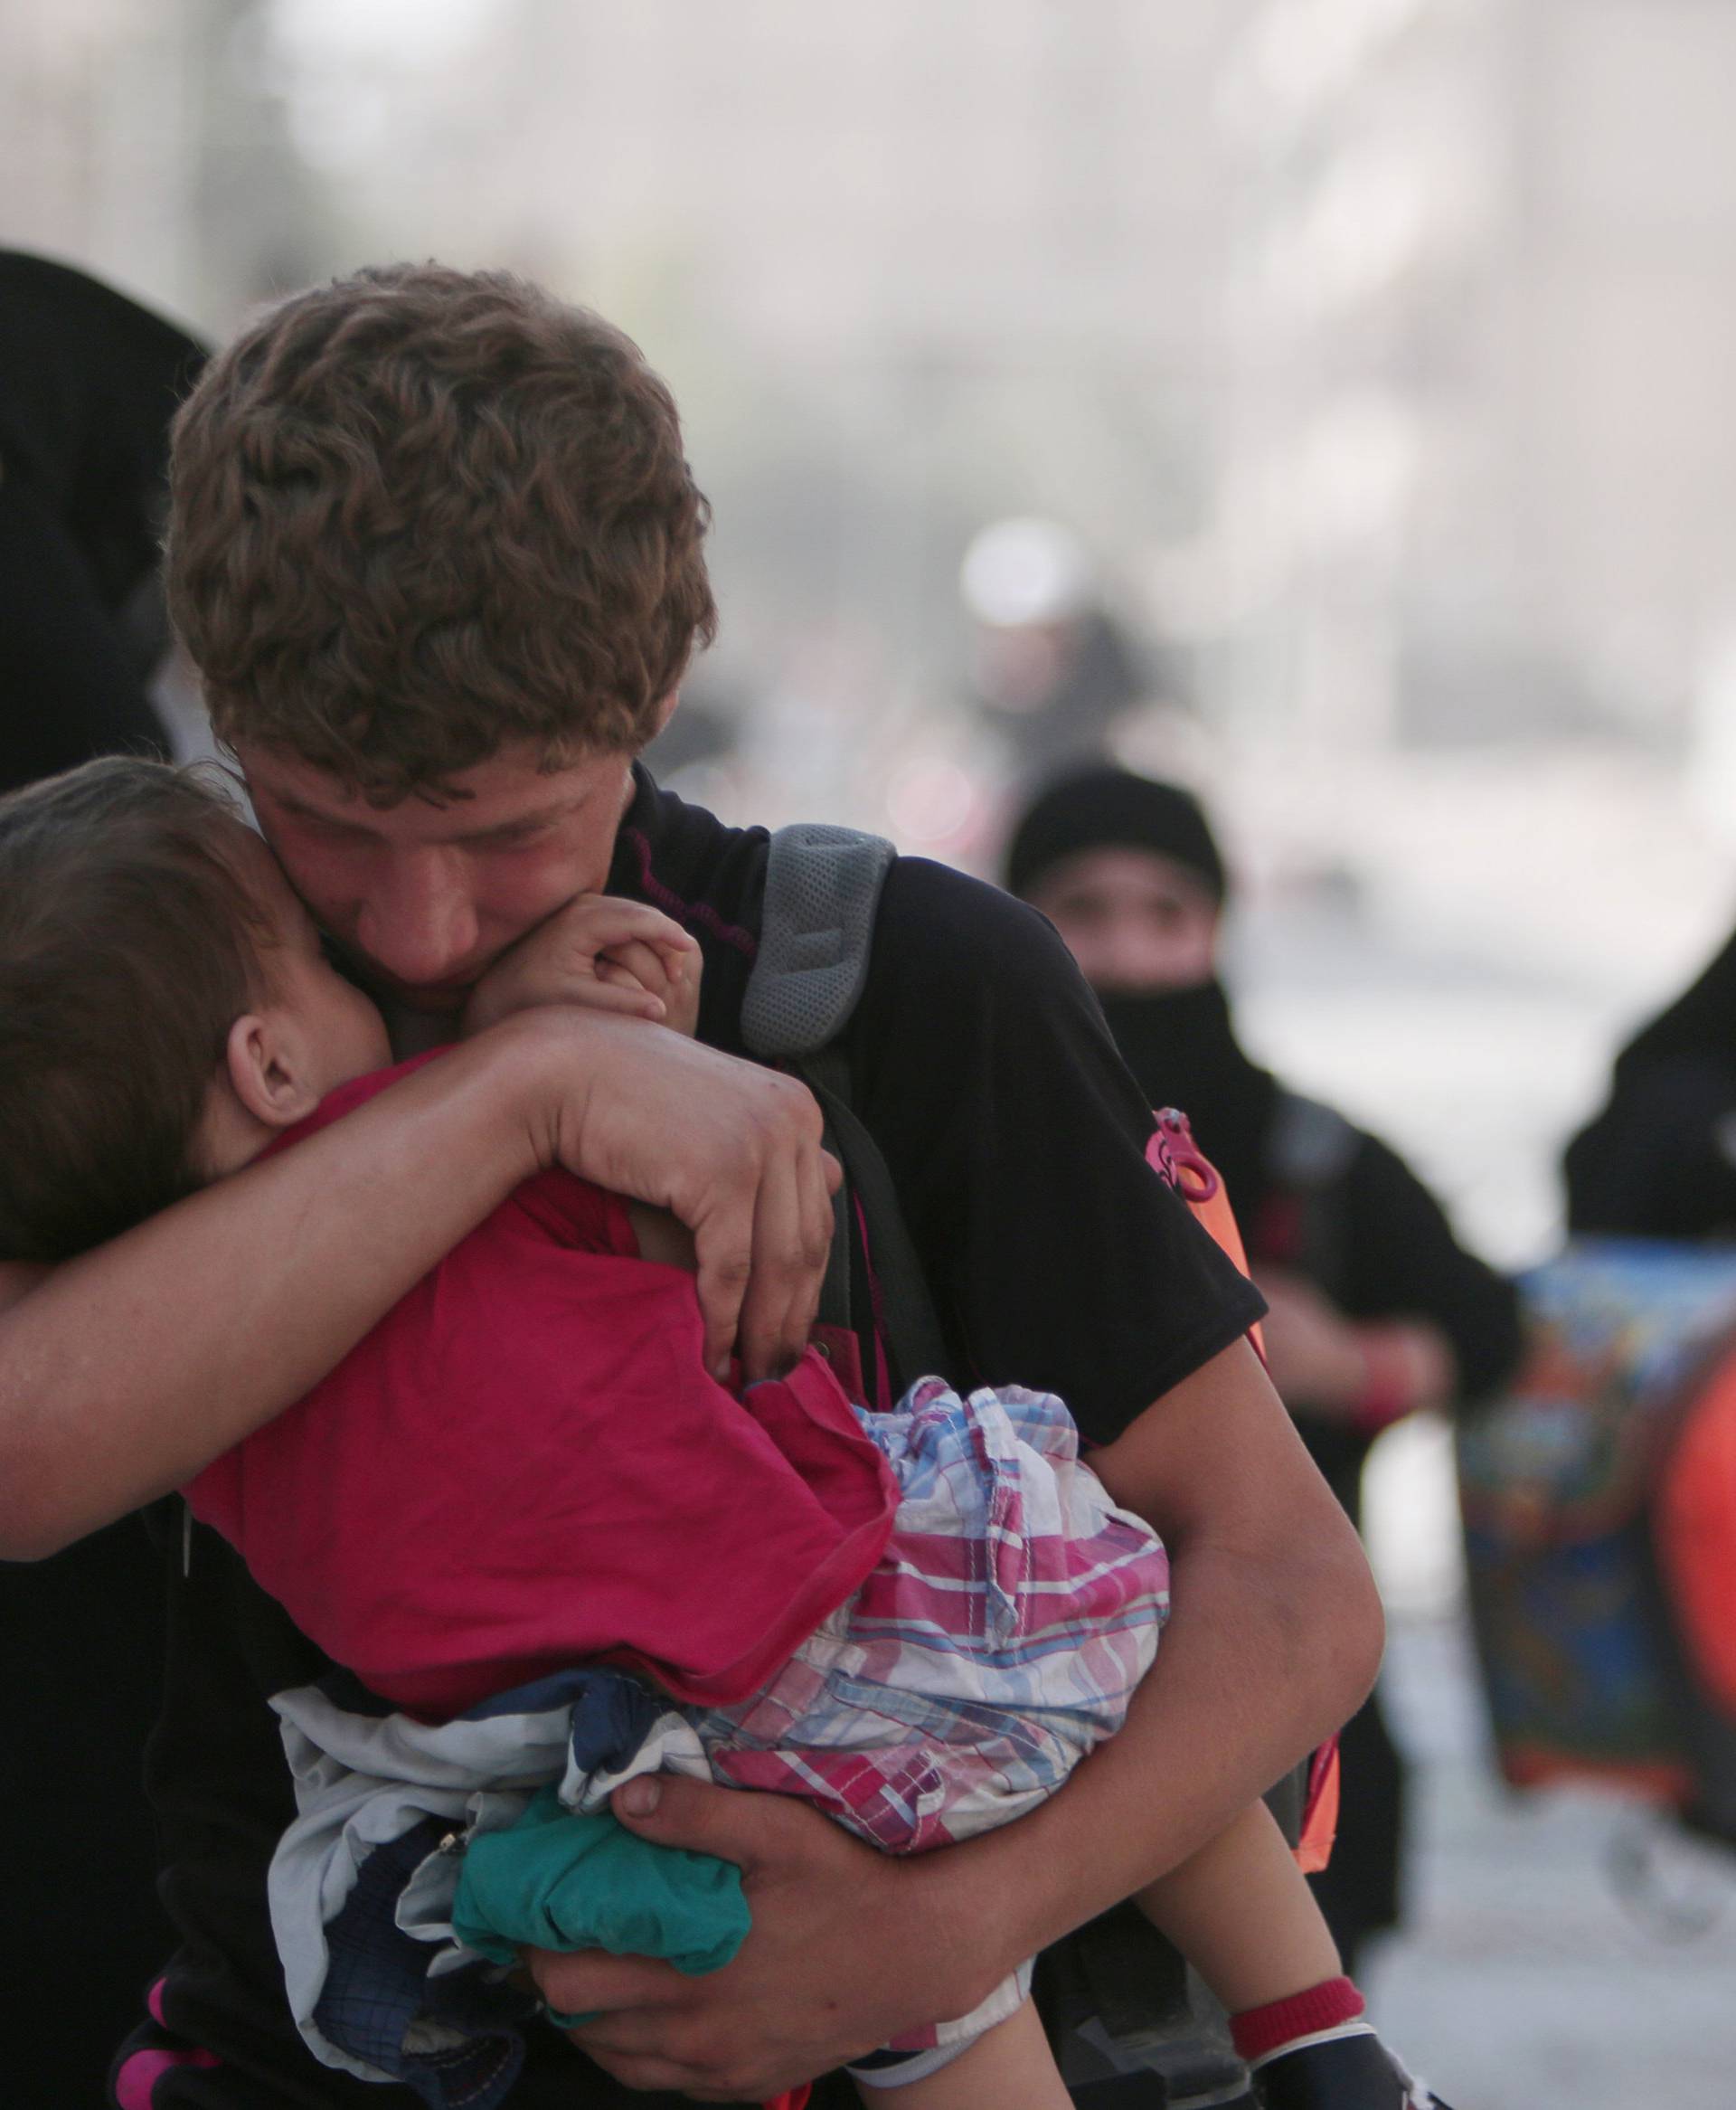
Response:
column 554, row 1880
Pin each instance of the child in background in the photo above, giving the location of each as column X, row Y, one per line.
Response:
column 921, row 1621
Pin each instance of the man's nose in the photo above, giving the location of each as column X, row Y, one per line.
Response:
column 418, row 921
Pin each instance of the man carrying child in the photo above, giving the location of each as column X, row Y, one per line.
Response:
column 438, row 556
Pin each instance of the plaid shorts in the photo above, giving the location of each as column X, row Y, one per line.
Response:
column 997, row 1641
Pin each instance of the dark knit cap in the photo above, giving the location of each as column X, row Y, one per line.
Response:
column 1104, row 807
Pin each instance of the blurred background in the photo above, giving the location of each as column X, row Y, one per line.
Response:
column 1357, row 371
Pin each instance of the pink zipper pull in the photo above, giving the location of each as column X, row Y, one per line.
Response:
column 1173, row 1154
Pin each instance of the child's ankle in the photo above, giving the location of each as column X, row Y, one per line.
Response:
column 1332, row 2008
column 1316, row 2051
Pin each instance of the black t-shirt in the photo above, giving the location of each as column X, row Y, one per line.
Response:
column 1015, row 1139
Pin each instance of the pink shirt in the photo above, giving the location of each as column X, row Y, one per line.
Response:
column 525, row 1465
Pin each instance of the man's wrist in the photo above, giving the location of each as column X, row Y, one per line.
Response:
column 986, row 1905
column 531, row 1084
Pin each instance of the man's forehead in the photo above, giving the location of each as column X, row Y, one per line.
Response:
column 510, row 788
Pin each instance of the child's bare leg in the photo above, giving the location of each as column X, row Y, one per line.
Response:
column 1008, row 2067
column 1240, row 1911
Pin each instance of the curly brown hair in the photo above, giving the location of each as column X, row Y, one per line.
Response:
column 419, row 514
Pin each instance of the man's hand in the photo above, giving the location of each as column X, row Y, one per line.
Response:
column 1311, row 1348
column 602, row 953
column 1274, row 1642
column 1344, row 1370
column 115, row 1385
column 730, row 1147
column 847, row 1948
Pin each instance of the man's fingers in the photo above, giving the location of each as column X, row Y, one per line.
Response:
column 626, row 998
column 784, row 1291
column 585, row 1981
column 697, row 1815
column 723, row 1257
column 641, row 2018
column 820, row 1179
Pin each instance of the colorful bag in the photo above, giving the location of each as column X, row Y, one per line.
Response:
column 1599, row 1511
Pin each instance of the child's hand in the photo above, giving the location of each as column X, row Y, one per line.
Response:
column 602, row 953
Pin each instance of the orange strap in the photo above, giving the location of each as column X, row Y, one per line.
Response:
column 1313, row 1851
column 1177, row 1159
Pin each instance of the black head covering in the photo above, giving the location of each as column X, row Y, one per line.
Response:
column 1180, row 1044
column 1106, row 807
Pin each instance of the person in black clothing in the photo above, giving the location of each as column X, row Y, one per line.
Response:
column 89, row 382
column 438, row 556
column 1659, row 1160
column 1375, row 1310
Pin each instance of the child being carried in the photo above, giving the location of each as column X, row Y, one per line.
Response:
column 551, row 1551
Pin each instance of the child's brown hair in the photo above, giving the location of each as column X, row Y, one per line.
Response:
column 419, row 514
column 129, row 944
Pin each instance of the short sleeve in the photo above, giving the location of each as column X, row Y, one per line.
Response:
column 1016, row 1138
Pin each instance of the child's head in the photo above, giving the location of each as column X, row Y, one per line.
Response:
column 165, row 1005
column 422, row 515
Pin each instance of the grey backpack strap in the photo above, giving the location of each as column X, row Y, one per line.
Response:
column 816, row 931
column 823, row 888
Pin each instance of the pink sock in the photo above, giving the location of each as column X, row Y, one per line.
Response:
column 1259, row 2033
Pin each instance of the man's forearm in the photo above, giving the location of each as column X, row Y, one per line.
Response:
column 1234, row 1700
column 849, row 1948
column 1273, row 1643
column 123, row 1372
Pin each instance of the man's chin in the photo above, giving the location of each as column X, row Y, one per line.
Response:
column 428, row 999
column 443, row 1002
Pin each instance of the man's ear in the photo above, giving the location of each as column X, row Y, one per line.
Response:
column 665, row 711
column 264, row 1056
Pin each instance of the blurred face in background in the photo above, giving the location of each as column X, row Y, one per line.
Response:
column 1137, row 923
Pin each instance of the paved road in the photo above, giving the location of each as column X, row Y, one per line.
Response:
column 1525, row 1984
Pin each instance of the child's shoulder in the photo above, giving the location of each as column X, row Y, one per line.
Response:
column 571, row 1210
column 345, row 1098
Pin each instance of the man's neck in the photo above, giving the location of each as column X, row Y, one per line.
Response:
column 413, row 1033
